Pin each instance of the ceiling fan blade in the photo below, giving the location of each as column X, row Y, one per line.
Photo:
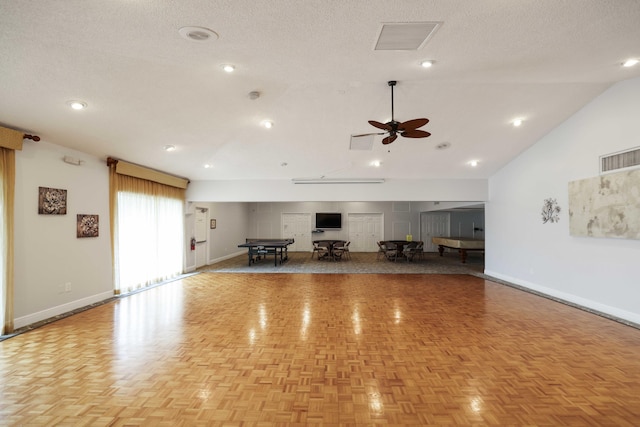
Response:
column 379, row 125
column 367, row 134
column 389, row 139
column 412, row 124
column 416, row 133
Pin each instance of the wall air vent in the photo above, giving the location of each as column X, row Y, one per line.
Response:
column 628, row 159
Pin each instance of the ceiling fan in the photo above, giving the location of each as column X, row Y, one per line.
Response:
column 408, row 129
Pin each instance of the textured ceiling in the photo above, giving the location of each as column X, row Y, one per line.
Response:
column 319, row 77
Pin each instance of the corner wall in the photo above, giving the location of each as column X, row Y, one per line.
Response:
column 600, row 274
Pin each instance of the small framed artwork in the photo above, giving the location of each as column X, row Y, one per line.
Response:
column 87, row 226
column 52, row 201
column 212, row 225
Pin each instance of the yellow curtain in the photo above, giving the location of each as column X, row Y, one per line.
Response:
column 7, row 194
column 153, row 241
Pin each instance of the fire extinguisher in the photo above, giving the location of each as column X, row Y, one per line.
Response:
column 193, row 243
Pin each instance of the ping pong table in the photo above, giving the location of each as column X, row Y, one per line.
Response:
column 259, row 248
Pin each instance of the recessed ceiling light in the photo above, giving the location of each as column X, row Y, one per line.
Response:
column 77, row 105
column 198, row 34
column 426, row 64
column 473, row 163
column 376, row 163
column 267, row 124
column 517, row 122
column 228, row 68
column 169, row 148
column 630, row 62
column 208, row 166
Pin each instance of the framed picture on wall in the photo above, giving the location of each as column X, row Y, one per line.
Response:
column 52, row 201
column 212, row 225
column 87, row 226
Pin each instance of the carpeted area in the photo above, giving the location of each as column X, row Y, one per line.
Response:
column 360, row 262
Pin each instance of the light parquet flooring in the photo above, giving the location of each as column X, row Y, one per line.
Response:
column 226, row 349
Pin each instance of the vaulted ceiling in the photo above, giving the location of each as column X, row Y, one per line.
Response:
column 147, row 83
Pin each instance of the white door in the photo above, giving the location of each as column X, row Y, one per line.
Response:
column 365, row 231
column 433, row 224
column 201, row 232
column 298, row 227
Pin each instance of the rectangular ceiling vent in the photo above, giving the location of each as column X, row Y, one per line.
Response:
column 405, row 35
column 628, row 159
column 361, row 142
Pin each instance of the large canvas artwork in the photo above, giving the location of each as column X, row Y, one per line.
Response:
column 606, row 206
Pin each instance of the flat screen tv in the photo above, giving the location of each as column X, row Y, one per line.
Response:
column 328, row 220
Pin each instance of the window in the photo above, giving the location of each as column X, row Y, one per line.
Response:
column 147, row 219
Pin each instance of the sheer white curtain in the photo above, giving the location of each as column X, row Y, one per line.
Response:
column 149, row 240
column 148, row 232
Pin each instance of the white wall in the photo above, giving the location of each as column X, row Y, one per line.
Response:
column 47, row 252
column 402, row 214
column 601, row 274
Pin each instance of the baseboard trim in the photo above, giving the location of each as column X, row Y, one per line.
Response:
column 613, row 313
column 52, row 312
column 226, row 257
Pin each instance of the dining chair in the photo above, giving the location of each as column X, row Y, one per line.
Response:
column 316, row 249
column 324, row 252
column 391, row 252
column 346, row 250
column 420, row 250
column 343, row 248
column 410, row 251
column 337, row 252
column 381, row 250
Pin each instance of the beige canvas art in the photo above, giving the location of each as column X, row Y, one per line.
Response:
column 606, row 206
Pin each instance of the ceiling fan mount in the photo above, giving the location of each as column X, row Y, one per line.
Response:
column 408, row 129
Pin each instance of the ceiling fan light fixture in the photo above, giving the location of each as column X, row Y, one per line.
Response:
column 407, row 129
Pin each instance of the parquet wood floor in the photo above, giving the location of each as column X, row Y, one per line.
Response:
column 324, row 349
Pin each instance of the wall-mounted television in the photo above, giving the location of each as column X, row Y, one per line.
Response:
column 328, row 220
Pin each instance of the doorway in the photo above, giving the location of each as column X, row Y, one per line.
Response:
column 298, row 227
column 433, row 224
column 365, row 231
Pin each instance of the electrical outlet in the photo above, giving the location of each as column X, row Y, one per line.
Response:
column 67, row 287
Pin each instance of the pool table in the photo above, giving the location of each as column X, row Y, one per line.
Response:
column 462, row 245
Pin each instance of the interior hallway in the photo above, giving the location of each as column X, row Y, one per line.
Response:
column 324, row 349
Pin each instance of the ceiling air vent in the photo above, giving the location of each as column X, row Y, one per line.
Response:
column 361, row 142
column 628, row 159
column 405, row 35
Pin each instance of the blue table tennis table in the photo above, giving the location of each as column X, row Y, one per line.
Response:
column 261, row 248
